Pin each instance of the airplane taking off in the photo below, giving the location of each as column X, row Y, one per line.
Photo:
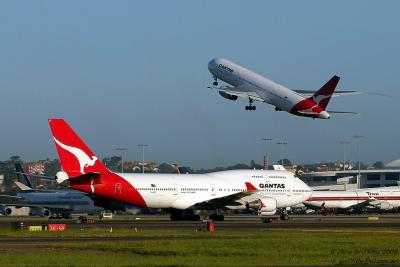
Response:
column 261, row 191
column 247, row 84
column 384, row 198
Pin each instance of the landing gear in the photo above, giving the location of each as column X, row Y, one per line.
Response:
column 250, row 106
column 277, row 109
column 266, row 220
column 215, row 83
column 216, row 217
column 184, row 215
column 284, row 216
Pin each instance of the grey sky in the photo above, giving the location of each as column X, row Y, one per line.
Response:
column 129, row 72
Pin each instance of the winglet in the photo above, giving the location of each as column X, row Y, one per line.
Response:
column 250, row 187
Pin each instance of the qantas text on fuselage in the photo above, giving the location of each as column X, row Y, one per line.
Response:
column 245, row 83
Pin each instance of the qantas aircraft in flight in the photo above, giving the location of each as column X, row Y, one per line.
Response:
column 260, row 191
column 245, row 83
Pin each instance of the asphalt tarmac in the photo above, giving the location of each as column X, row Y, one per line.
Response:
column 245, row 222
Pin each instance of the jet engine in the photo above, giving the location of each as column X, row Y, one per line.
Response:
column 385, row 206
column 46, row 213
column 228, row 96
column 61, row 177
column 7, row 210
column 264, row 206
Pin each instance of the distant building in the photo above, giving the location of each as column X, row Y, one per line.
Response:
column 36, row 167
column 340, row 180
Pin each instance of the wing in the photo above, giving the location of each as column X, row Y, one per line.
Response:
column 308, row 93
column 224, row 202
column 207, row 202
column 240, row 91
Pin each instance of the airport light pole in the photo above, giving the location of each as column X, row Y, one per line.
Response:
column 358, row 154
column 143, row 146
column 122, row 157
column 282, row 144
column 266, row 140
column 344, row 143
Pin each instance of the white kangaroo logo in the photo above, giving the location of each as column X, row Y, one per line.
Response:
column 84, row 160
column 317, row 99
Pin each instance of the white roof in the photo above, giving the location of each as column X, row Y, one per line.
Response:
column 393, row 164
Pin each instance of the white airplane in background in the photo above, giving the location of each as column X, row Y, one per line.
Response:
column 258, row 190
column 384, row 198
column 247, row 84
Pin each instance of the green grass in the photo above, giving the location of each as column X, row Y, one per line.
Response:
column 222, row 248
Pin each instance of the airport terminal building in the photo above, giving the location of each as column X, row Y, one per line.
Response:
column 347, row 179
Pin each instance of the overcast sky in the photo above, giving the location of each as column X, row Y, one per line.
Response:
column 129, row 72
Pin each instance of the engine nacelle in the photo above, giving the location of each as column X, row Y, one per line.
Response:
column 46, row 213
column 61, row 177
column 267, row 213
column 385, row 206
column 228, row 96
column 268, row 204
column 7, row 210
column 265, row 206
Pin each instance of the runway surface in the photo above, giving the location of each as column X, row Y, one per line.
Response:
column 230, row 223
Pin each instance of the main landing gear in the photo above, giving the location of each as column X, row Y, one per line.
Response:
column 216, row 217
column 215, row 83
column 250, row 106
column 184, row 215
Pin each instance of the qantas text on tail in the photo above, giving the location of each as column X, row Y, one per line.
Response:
column 261, row 191
column 245, row 83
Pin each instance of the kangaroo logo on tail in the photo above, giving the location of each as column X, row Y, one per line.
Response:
column 84, row 160
column 318, row 98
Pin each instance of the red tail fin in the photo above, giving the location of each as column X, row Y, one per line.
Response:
column 76, row 158
column 323, row 95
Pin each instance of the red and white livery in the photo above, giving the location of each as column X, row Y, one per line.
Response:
column 258, row 190
column 245, row 83
column 385, row 198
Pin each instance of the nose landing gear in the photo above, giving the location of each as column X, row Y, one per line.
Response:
column 215, row 83
column 250, row 106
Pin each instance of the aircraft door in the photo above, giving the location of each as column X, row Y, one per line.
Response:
column 176, row 189
column 213, row 190
column 288, row 190
column 118, row 189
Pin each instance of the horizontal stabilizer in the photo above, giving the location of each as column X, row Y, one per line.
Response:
column 342, row 112
column 23, row 187
column 308, row 93
column 44, row 177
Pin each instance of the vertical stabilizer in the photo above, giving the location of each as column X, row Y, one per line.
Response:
column 323, row 95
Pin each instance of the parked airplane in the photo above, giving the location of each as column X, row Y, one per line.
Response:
column 261, row 191
column 245, row 83
column 383, row 198
column 52, row 202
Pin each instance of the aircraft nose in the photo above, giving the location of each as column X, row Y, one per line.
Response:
column 212, row 64
column 324, row 115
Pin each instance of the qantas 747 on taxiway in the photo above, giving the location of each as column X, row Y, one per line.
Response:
column 263, row 192
column 245, row 83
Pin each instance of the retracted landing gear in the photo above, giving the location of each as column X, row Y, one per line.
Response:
column 250, row 106
column 215, row 83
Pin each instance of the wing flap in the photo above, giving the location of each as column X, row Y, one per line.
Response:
column 240, row 91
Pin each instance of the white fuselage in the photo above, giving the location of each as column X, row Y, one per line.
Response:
column 183, row 191
column 350, row 199
column 238, row 76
